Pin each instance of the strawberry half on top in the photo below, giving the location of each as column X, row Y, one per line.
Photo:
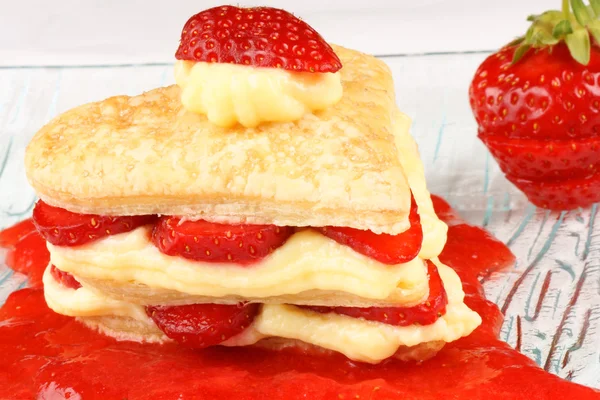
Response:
column 537, row 104
column 257, row 36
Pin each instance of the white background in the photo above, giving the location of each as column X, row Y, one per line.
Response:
column 83, row 32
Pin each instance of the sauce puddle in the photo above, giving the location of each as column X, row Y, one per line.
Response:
column 49, row 356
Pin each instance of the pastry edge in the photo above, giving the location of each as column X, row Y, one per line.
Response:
column 224, row 211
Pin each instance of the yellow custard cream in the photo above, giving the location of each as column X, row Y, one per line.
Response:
column 307, row 261
column 434, row 230
column 358, row 339
column 362, row 340
column 231, row 93
column 86, row 302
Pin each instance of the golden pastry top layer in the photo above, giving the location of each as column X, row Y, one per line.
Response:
column 148, row 155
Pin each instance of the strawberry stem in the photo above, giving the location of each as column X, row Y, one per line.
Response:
column 566, row 9
column 576, row 24
column 595, row 7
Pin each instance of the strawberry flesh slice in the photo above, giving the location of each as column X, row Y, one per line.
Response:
column 203, row 325
column 64, row 278
column 387, row 249
column 561, row 194
column 212, row 242
column 258, row 37
column 554, row 174
column 425, row 313
column 64, row 228
column 545, row 159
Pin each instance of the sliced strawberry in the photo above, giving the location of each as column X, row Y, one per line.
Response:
column 560, row 194
column 425, row 313
column 203, row 325
column 64, row 278
column 10, row 236
column 207, row 241
column 64, row 228
column 545, row 159
column 388, row 249
column 258, row 36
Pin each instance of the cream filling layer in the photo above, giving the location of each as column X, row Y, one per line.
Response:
column 84, row 302
column 232, row 93
column 360, row 340
column 307, row 261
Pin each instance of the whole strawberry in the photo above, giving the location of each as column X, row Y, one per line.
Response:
column 537, row 104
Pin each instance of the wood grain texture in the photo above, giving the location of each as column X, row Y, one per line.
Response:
column 551, row 298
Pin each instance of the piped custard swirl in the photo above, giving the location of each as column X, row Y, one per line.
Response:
column 230, row 93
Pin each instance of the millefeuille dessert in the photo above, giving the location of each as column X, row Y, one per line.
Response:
column 273, row 197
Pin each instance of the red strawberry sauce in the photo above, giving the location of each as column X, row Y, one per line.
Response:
column 49, row 356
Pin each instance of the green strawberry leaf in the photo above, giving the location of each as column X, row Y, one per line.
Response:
column 562, row 28
column 573, row 24
column 594, row 28
column 546, row 38
column 581, row 12
column 595, row 6
column 520, row 52
column 578, row 43
column 529, row 36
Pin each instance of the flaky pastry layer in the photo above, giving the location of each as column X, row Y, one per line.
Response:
column 147, row 155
